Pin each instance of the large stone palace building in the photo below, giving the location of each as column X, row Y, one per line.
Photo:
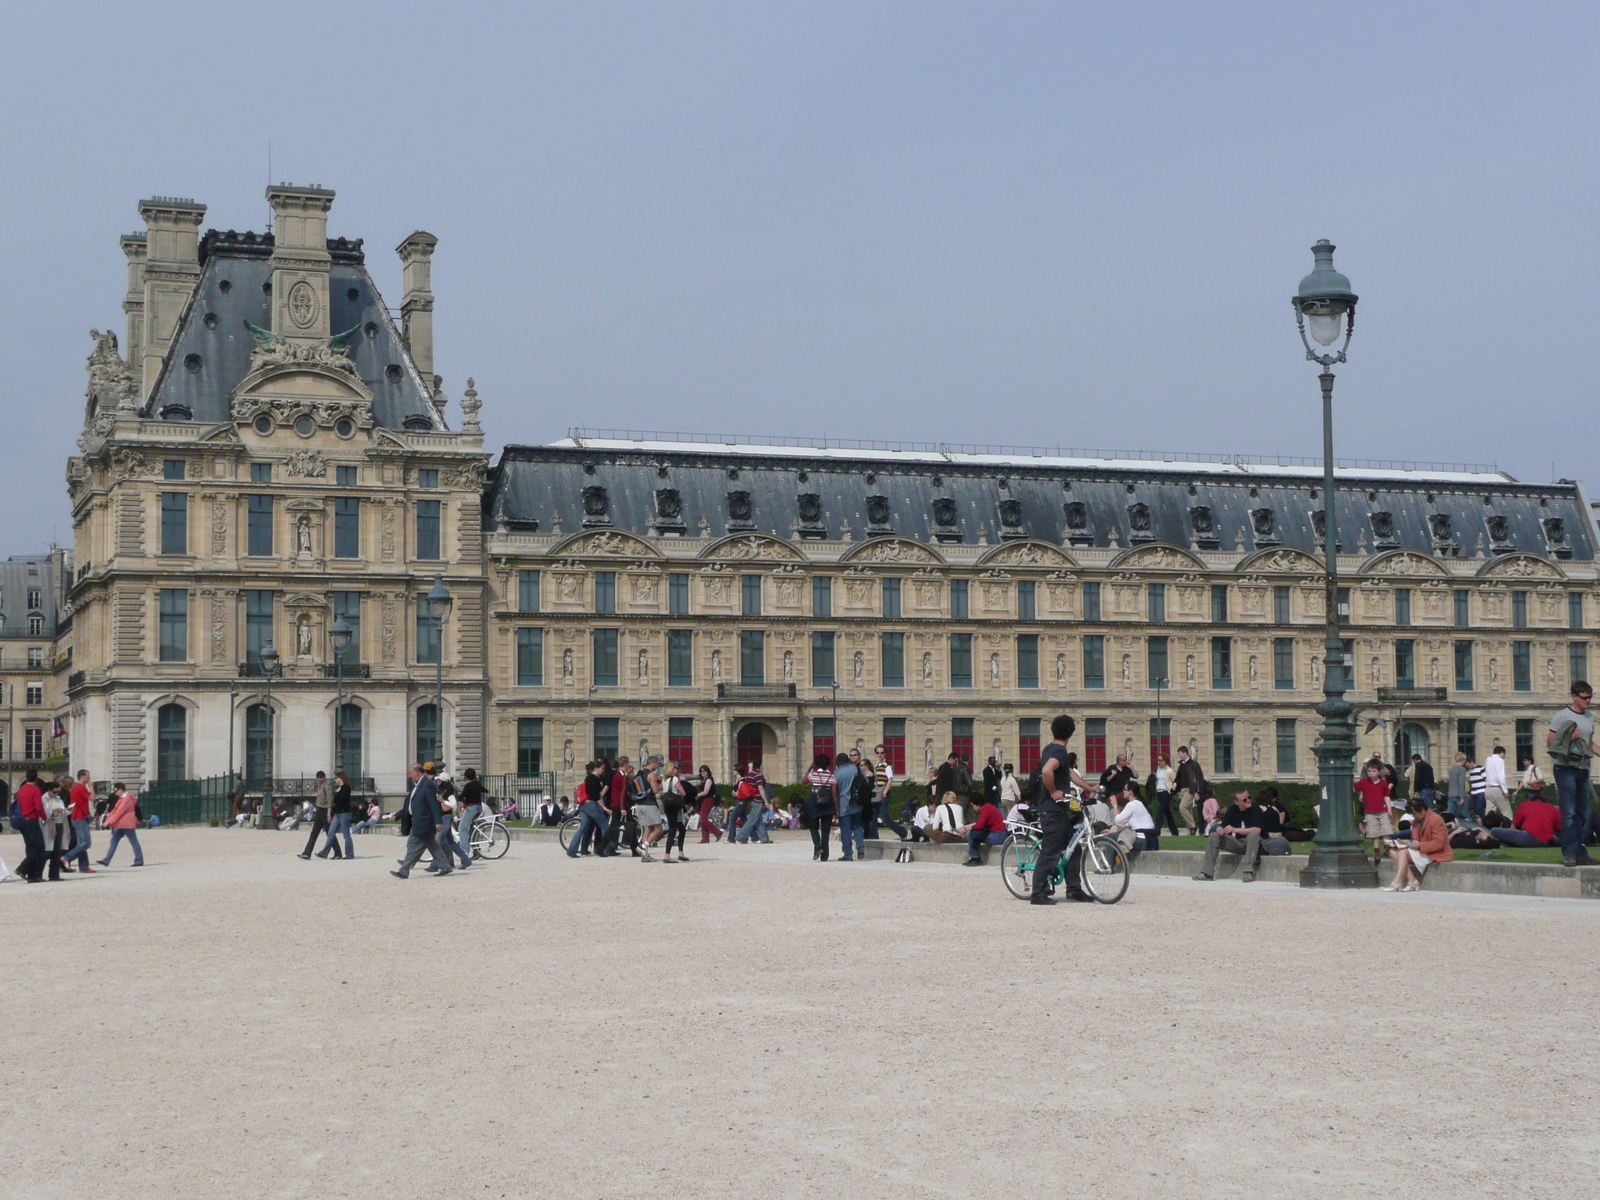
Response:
column 272, row 452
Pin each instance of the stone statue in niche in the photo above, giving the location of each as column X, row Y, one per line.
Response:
column 1494, row 674
column 1316, row 672
column 1061, row 670
column 1550, row 674
column 1433, row 672
column 1127, row 668
column 1188, row 670
column 566, row 666
column 788, row 666
column 302, row 535
column 644, row 666
column 303, row 637
column 994, row 668
column 994, row 751
column 927, row 667
column 858, row 664
column 566, row 755
column 927, row 755
column 1254, row 675
column 1377, row 672
column 716, row 666
column 1255, row 754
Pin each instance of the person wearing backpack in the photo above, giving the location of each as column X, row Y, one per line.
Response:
column 27, row 818
column 822, row 804
column 854, row 789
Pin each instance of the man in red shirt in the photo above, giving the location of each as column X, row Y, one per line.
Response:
column 81, row 802
column 988, row 830
column 30, row 799
column 1376, row 823
column 1536, row 823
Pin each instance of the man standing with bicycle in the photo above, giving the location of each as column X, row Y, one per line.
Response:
column 1058, row 812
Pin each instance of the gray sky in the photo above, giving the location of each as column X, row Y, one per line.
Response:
column 1033, row 224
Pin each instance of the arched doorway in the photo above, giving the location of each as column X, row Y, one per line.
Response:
column 751, row 745
column 1411, row 739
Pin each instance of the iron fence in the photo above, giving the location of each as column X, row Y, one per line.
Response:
column 188, row 801
column 526, row 791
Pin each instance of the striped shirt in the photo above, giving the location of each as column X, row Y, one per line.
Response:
column 1477, row 780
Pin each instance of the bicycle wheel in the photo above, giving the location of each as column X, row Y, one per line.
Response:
column 1104, row 870
column 1017, row 857
column 567, row 829
column 496, row 842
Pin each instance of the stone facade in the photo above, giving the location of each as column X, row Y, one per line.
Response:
column 34, row 635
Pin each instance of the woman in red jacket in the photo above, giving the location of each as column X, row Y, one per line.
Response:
column 1429, row 844
column 122, row 822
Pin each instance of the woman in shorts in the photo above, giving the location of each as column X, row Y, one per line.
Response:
column 1429, row 843
column 647, row 811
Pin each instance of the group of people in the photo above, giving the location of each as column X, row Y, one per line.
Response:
column 645, row 808
column 55, row 818
column 437, row 817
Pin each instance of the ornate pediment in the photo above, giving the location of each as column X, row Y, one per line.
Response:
column 1157, row 558
column 605, row 542
column 753, row 545
column 1028, row 554
column 305, row 600
column 1521, row 566
column 1403, row 562
column 892, row 550
column 1283, row 560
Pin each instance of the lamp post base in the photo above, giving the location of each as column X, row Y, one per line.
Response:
column 1339, row 865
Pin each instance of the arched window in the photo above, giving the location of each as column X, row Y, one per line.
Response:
column 172, row 742
column 428, row 733
column 349, row 757
column 257, row 742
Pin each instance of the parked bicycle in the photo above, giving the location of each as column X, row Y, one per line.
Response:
column 1102, row 867
column 489, row 837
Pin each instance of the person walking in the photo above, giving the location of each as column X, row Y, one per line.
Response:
column 1496, row 793
column 1422, row 780
column 854, row 792
column 339, row 818
column 991, row 781
column 1189, row 781
column 1572, row 748
column 323, row 801
column 30, row 807
column 754, row 826
column 647, row 809
column 673, row 799
column 708, row 800
column 56, row 830
column 822, row 804
column 1456, row 787
column 883, row 780
column 79, row 804
column 471, row 806
column 449, row 805
column 592, row 820
column 1011, row 792
column 426, row 818
column 123, row 820
column 1165, row 782
column 1059, row 810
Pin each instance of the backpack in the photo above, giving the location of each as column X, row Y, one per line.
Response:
column 16, row 813
column 821, row 799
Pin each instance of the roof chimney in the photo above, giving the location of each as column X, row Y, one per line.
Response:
column 300, row 262
column 416, row 308
column 134, row 245
column 171, row 269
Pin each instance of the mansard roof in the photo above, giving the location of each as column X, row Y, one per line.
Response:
column 211, row 349
column 943, row 498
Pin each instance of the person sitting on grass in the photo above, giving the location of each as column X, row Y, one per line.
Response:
column 1209, row 810
column 1536, row 823
column 1239, row 833
column 1429, row 843
column 988, row 830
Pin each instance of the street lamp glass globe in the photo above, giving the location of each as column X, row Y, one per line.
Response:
column 269, row 658
column 1325, row 327
column 340, row 633
column 439, row 599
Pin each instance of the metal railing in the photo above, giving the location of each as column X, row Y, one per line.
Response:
column 525, row 790
column 188, row 801
column 755, row 691
column 295, row 786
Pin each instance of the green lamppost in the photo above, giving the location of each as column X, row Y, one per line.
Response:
column 439, row 606
column 270, row 661
column 339, row 634
column 1326, row 304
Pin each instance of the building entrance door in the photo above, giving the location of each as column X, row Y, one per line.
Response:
column 1412, row 739
column 750, row 744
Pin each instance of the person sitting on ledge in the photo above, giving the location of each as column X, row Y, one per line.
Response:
column 1239, row 833
column 946, row 826
column 988, row 830
column 1429, row 843
column 1536, row 823
column 922, row 821
column 1133, row 825
column 1273, row 816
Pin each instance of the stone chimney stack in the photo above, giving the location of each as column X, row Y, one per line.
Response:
column 133, row 245
column 300, row 261
column 171, row 270
column 416, row 308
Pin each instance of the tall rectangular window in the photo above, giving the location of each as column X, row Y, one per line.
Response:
column 33, row 742
column 1283, row 663
column 1160, row 738
column 821, row 596
column 1221, row 662
column 348, row 606
column 1094, row 746
column 605, row 592
column 1156, row 660
column 173, row 468
column 427, row 529
column 258, row 526
column 428, row 632
column 678, row 595
column 1158, row 603
column 823, row 739
column 752, row 657
column 1027, row 660
column 894, row 743
column 822, row 660
column 1522, row 666
column 962, row 740
column 1467, row 737
column 960, row 660
column 1519, row 610
column 1288, row 752
column 1094, row 661
column 605, row 657
column 680, row 743
column 1280, row 605
column 1027, row 609
column 1405, row 663
column 530, row 658
column 261, row 472
column 1091, row 602
column 891, row 599
column 680, row 658
column 257, row 625
column 960, row 609
column 345, row 476
column 893, row 659
column 174, row 625
column 1574, row 610
column 528, row 591
column 608, row 738
column 1222, row 745
column 1219, row 603
column 1461, row 598
column 174, row 523
column 1402, row 606
column 1524, row 740
column 1463, row 666
column 428, row 477
column 1342, row 601
column 530, row 745
column 346, row 527
column 1577, row 661
column 1028, row 745
column 750, row 595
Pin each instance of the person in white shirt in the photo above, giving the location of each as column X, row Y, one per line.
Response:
column 1010, row 789
column 923, row 821
column 1133, row 825
column 1532, row 780
column 1494, row 782
column 883, row 780
column 947, row 821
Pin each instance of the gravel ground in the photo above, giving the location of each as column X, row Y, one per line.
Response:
column 230, row 1021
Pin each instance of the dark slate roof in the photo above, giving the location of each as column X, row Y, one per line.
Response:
column 211, row 350
column 18, row 576
column 1067, row 503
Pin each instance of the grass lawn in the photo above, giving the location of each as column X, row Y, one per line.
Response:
column 1509, row 854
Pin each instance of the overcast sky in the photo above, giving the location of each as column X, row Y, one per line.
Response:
column 1023, row 224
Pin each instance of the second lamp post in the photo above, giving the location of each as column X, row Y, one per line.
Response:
column 439, row 608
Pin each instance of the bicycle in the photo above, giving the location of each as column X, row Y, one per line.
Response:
column 490, row 838
column 1102, row 867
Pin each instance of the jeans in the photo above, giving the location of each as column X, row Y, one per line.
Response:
column 1150, row 839
column 363, row 826
column 133, row 839
column 821, row 825
column 1572, row 790
column 341, row 824
column 447, row 839
column 1249, row 846
column 754, row 825
column 976, row 839
column 1517, row 837
column 34, row 855
column 415, row 845
column 850, row 830
column 591, row 822
column 80, row 843
column 1429, row 796
column 469, row 820
column 882, row 808
column 1456, row 806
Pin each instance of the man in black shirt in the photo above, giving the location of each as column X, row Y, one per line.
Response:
column 1115, row 777
column 1058, row 812
column 991, row 782
column 1240, row 833
column 1423, row 784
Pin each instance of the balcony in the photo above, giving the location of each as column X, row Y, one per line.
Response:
column 1405, row 695
column 351, row 670
column 755, row 691
column 77, row 679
